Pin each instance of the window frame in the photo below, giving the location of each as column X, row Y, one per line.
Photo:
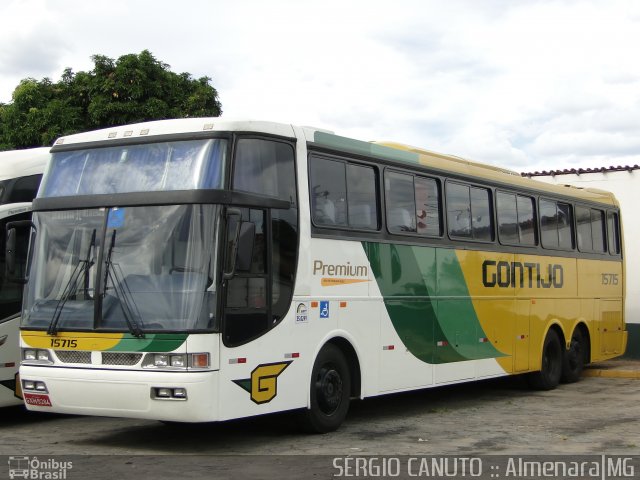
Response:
column 345, row 228
column 591, row 209
column 536, row 237
column 492, row 212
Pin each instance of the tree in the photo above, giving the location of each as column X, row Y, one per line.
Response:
column 134, row 88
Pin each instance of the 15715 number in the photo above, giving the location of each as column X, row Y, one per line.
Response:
column 64, row 343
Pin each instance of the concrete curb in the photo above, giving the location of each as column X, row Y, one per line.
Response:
column 606, row 373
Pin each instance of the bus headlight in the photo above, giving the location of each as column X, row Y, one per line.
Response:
column 176, row 361
column 36, row 355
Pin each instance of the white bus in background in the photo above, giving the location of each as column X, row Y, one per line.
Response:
column 20, row 175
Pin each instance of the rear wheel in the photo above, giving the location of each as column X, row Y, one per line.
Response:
column 548, row 377
column 330, row 391
column 574, row 358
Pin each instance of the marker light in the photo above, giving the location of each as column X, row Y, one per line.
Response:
column 200, row 360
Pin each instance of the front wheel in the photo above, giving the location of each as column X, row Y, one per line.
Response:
column 548, row 377
column 330, row 391
column 574, row 358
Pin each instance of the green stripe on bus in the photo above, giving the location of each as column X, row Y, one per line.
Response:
column 364, row 148
column 435, row 331
column 158, row 342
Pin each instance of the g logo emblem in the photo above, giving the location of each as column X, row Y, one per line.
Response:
column 263, row 384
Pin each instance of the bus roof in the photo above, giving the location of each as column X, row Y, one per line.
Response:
column 391, row 151
column 400, row 153
column 22, row 163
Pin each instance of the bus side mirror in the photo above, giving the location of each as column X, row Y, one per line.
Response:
column 10, row 254
column 16, row 253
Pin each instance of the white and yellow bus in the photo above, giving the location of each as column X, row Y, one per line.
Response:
column 201, row 270
column 20, row 174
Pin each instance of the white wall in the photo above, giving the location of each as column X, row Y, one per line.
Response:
column 626, row 187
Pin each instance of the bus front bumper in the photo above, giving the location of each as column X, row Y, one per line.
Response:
column 124, row 393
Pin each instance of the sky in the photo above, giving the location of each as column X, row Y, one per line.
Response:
column 523, row 84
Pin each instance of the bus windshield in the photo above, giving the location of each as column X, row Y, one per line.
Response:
column 180, row 165
column 136, row 269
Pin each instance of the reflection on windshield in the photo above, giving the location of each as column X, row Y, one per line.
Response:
column 157, row 269
column 165, row 166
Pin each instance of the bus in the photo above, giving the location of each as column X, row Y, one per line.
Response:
column 20, row 174
column 202, row 270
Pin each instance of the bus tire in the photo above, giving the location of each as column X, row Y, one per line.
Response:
column 550, row 372
column 574, row 358
column 330, row 391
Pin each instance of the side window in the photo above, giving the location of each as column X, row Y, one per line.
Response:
column 328, row 192
column 598, row 232
column 481, row 220
column 507, row 218
column 343, row 194
column 246, row 306
column 548, row 224
column 458, row 210
column 24, row 189
column 591, row 229
column 362, row 202
column 265, row 167
column 565, row 227
column 401, row 206
column 583, row 220
column 516, row 223
column 556, row 225
column 526, row 220
column 428, row 206
column 12, row 292
column 613, row 228
column 469, row 212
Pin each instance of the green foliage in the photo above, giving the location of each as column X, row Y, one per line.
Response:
column 134, row 88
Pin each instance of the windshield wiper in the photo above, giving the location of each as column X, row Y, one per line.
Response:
column 122, row 291
column 71, row 285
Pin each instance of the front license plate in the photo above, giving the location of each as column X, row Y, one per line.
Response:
column 37, row 399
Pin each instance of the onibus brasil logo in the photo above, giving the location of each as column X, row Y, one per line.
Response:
column 263, row 384
column 33, row 468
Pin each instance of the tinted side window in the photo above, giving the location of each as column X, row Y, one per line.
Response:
column 598, row 233
column 265, row 167
column 481, row 219
column 565, row 226
column 613, row 230
column 328, row 192
column 428, row 206
column 507, row 218
column 458, row 210
column 24, row 189
column 549, row 224
column 526, row 222
column 556, row 224
column 583, row 219
column 362, row 198
column 401, row 207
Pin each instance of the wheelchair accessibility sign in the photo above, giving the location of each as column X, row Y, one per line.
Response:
column 324, row 309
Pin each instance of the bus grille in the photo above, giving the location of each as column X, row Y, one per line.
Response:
column 73, row 356
column 115, row 358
